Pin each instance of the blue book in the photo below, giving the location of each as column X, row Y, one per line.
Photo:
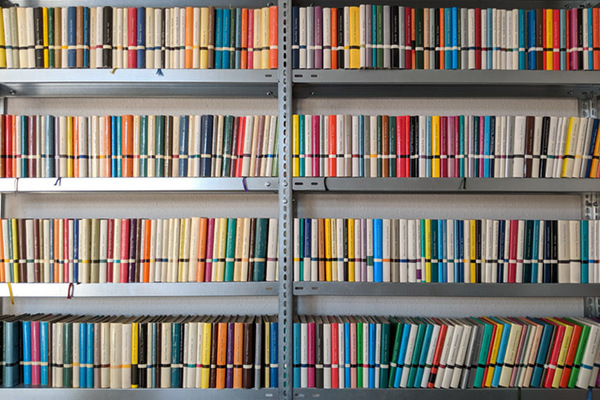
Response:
column 423, row 356
column 402, row 353
column 26, row 326
column 82, row 354
column 501, row 350
column 492, row 144
column 455, row 44
column 12, row 334
column 44, row 335
column 547, row 273
column 531, row 44
column 361, row 145
column 90, row 356
column 86, row 37
column 238, row 39
column 486, row 148
column 225, row 42
column 447, row 38
column 175, row 352
column 501, row 243
column 588, row 168
column 563, row 39
column 460, row 275
column 218, row 38
column 590, row 39
column 428, row 145
column 302, row 145
column 522, row 40
column 23, row 137
column 585, row 267
column 544, row 347
column 296, row 354
column 535, row 251
column 371, row 374
column 490, row 37
column 442, row 251
column 461, row 146
column 347, row 358
column 296, row 37
column 457, row 247
column 301, row 255
column 76, row 250
column 153, row 366
column 307, row 242
column 48, row 157
column 377, row 250
column 527, row 251
column 206, row 122
column 274, row 354
column 71, row 37
column 435, row 254
column 183, row 145
column 141, row 37
column 373, row 36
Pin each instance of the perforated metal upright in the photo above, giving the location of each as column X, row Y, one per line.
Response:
column 285, row 201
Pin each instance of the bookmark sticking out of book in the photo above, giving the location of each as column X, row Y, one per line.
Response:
column 58, row 181
column 589, row 394
column 10, row 292
column 159, row 72
column 70, row 290
column 244, row 184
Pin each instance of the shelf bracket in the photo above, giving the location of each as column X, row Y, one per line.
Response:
column 590, row 206
column 592, row 307
column 587, row 105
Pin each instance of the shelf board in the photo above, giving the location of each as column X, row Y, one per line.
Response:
column 74, row 185
column 444, row 83
column 447, row 185
column 502, row 4
column 193, row 289
column 441, row 394
column 138, row 394
column 445, row 289
column 138, row 83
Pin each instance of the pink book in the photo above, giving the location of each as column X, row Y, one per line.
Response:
column 35, row 352
column 316, row 145
column 451, row 147
column 512, row 252
column 335, row 363
column 353, row 365
column 124, row 278
column 311, row 354
column 574, row 64
column 481, row 144
column 444, row 147
column 209, row 250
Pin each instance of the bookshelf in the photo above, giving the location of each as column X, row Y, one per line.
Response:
column 287, row 86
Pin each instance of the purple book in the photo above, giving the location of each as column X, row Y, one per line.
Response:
column 229, row 370
column 132, row 248
column 318, row 60
column 316, row 140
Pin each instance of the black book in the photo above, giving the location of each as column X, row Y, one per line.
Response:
column 38, row 37
column 544, row 146
column 340, row 38
column 107, row 19
column 395, row 37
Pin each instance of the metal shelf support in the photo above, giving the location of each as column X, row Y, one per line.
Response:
column 587, row 105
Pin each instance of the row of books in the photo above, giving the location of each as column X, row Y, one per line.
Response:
column 445, row 146
column 388, row 36
column 66, row 351
column 138, row 146
column 123, row 250
column 430, row 250
column 139, row 37
column 378, row 352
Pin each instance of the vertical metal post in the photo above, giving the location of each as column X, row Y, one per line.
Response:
column 590, row 210
column 285, row 200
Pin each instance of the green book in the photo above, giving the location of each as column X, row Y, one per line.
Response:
column 50, row 37
column 416, row 355
column 583, row 339
column 379, row 45
column 159, row 170
column 483, row 352
column 385, row 353
column 68, row 355
column 227, row 146
column 359, row 354
column 144, row 146
column 392, row 151
column 232, row 33
column 230, row 249
column 396, row 327
column 419, row 64
column 260, row 249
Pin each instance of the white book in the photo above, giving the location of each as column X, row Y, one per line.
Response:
column 395, row 250
column 247, row 145
column 365, row 344
column 165, row 368
column 564, row 259
column 523, row 355
column 302, row 39
column 10, row 43
column 30, row 37
column 585, row 126
column 199, row 339
column 411, row 251
column 373, row 146
column 422, row 147
column 590, row 354
column 499, row 144
column 493, row 278
column 519, row 147
column 448, row 372
column 126, row 356
column 355, row 161
column 326, row 353
column 366, row 146
column 401, row 36
column 159, row 50
column 314, row 248
column 550, row 158
column 308, row 151
column 448, row 340
column 246, row 250
column 158, row 229
column 387, row 48
column 510, row 353
column 468, row 365
column 461, row 355
column 116, row 354
column 359, row 253
column 586, row 45
column 341, row 352
column 310, row 37
column 430, row 352
column 340, row 146
column 326, row 37
column 362, row 10
column 520, row 251
column 410, row 346
column 272, row 246
column 450, row 249
column 192, row 232
column 484, row 42
column 466, row 251
column 405, row 241
column 575, row 251
column 347, row 132
column 537, row 145
column 369, row 223
column 386, row 249
column 342, row 260
column 150, row 38
column 560, row 146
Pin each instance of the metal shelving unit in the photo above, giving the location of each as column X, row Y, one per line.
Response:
column 24, row 393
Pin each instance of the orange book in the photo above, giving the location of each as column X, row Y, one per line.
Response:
column 244, row 52
column 107, row 149
column 321, row 249
column 189, row 37
column 2, row 276
column 127, row 146
column 574, row 343
column 334, row 38
column 75, row 158
column 201, row 250
column 332, row 146
column 147, row 239
column 442, row 41
column 238, row 347
column 273, row 34
column 221, row 355
column 596, row 36
column 412, row 37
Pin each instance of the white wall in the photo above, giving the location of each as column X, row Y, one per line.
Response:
column 308, row 205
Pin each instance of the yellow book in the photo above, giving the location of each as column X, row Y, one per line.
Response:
column 351, row 277
column 70, row 152
column 45, row 32
column 264, row 34
column 2, row 44
column 569, row 149
column 473, row 252
column 334, row 250
column 549, row 54
column 219, row 254
column 562, row 356
column 206, row 343
column 267, row 355
column 328, row 250
column 204, row 37
column 494, row 355
column 295, row 145
column 15, row 244
column 354, row 38
column 435, row 146
column 427, row 250
column 134, row 348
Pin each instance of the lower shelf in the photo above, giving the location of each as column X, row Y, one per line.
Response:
column 138, row 394
column 441, row 394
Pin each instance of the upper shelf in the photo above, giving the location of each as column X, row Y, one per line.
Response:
column 444, row 83
column 74, row 185
column 25, row 393
column 448, row 185
column 138, row 83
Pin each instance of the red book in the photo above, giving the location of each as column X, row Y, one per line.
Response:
column 335, row 353
column 478, row 34
column 8, row 142
column 240, row 149
column 408, row 37
column 439, row 347
column 127, row 146
column 273, row 31
column 110, row 232
column 550, row 368
column 456, row 146
column 512, row 251
column 385, row 146
column 491, row 349
column 132, row 38
column 596, row 36
column 568, row 367
column 35, row 353
column 556, row 40
column 124, row 251
column 443, row 145
column 316, row 141
column 334, row 38
column 311, row 353
column 332, row 160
